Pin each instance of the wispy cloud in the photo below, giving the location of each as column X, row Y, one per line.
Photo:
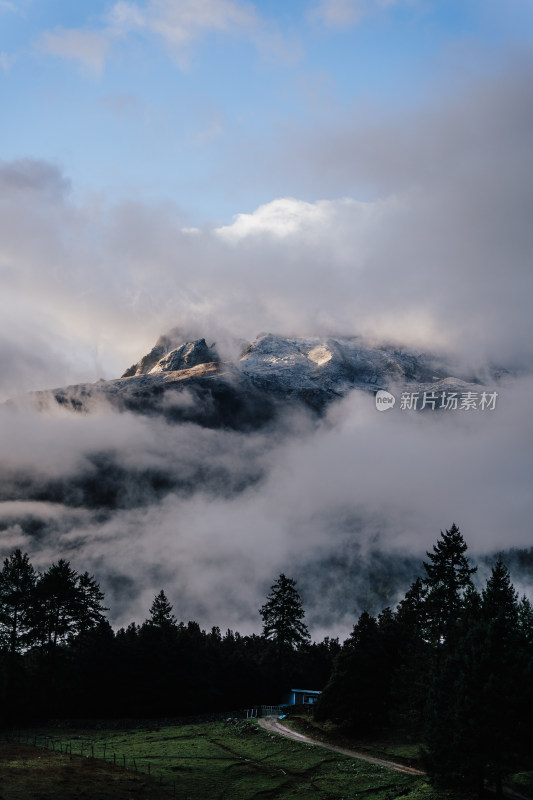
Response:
column 7, row 61
column 338, row 13
column 177, row 25
column 9, row 7
column 345, row 13
column 88, row 47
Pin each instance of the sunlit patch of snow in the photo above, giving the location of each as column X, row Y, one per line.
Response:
column 320, row 355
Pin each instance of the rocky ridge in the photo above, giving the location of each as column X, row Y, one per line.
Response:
column 188, row 381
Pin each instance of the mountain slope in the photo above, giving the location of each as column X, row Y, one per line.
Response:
column 188, row 381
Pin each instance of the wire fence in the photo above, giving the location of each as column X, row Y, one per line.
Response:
column 77, row 747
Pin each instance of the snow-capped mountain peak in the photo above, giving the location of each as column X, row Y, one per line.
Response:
column 270, row 372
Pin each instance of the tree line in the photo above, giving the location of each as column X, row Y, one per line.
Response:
column 451, row 666
column 60, row 657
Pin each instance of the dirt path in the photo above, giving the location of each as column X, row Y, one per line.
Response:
column 274, row 725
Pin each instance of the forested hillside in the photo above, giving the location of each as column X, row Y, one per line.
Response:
column 60, row 657
column 451, row 666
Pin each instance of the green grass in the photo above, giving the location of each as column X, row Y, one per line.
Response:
column 388, row 748
column 391, row 749
column 522, row 782
column 238, row 761
column 31, row 772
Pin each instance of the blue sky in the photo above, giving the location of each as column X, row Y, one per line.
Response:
column 361, row 166
column 175, row 99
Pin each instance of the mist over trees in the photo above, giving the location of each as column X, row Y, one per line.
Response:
column 59, row 656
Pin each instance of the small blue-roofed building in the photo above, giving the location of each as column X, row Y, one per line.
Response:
column 301, row 697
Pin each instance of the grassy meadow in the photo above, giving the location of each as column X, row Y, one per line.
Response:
column 233, row 760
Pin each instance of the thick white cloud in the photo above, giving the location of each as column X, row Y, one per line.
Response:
column 287, row 217
column 354, row 482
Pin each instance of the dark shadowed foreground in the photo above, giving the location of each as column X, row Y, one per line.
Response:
column 32, row 772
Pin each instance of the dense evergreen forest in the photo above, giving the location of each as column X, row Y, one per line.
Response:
column 59, row 656
column 451, row 666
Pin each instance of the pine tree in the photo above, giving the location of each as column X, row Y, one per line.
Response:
column 90, row 608
column 477, row 721
column 412, row 674
column 67, row 604
column 357, row 694
column 17, row 584
column 452, row 751
column 56, row 605
column 161, row 614
column 499, row 599
column 283, row 615
column 448, row 578
column 525, row 621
